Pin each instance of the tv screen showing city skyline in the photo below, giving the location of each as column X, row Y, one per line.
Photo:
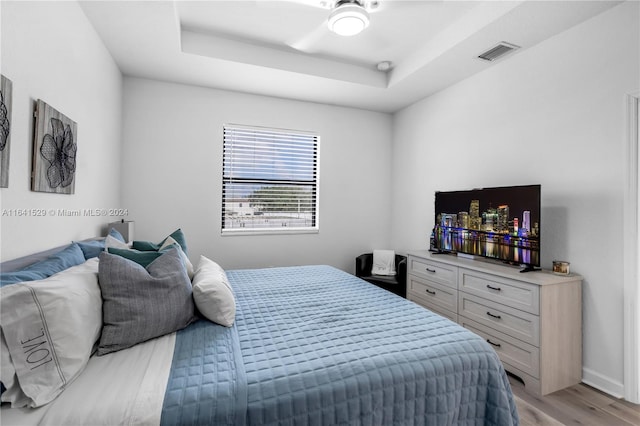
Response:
column 501, row 223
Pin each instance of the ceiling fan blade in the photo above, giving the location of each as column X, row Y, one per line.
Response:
column 306, row 44
column 320, row 4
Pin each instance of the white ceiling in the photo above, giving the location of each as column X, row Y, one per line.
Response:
column 284, row 49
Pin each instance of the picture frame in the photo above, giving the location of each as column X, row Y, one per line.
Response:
column 54, row 151
column 560, row 267
column 6, row 102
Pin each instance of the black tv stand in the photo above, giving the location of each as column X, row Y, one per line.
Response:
column 529, row 268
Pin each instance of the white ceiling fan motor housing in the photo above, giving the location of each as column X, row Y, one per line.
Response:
column 348, row 19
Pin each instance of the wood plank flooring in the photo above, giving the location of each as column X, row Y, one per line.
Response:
column 577, row 405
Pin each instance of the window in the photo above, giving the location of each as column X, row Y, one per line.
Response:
column 269, row 180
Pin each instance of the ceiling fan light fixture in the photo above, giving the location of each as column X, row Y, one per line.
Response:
column 348, row 19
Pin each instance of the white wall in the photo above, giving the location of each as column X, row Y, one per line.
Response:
column 172, row 171
column 552, row 114
column 51, row 52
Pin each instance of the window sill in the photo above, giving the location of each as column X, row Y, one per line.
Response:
column 279, row 231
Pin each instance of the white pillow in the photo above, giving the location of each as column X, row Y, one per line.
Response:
column 212, row 293
column 8, row 377
column 110, row 241
column 184, row 257
column 50, row 327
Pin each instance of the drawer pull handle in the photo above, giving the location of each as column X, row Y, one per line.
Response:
column 493, row 288
column 497, row 345
column 431, row 292
column 433, row 271
column 493, row 316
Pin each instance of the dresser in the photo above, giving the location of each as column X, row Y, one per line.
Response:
column 533, row 320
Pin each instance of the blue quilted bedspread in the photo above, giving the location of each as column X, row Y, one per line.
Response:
column 313, row 345
column 206, row 385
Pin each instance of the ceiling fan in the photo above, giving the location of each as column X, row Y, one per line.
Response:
column 350, row 17
column 346, row 18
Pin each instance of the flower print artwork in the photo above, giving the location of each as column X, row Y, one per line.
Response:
column 5, row 129
column 5, row 124
column 59, row 150
column 55, row 151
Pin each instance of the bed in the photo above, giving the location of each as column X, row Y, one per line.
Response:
column 310, row 345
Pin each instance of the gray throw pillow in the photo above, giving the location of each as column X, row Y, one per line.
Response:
column 140, row 304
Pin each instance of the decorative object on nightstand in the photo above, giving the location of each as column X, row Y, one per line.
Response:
column 396, row 283
column 561, row 267
column 123, row 227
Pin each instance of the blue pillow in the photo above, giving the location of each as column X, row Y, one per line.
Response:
column 91, row 249
column 117, row 235
column 64, row 259
column 7, row 278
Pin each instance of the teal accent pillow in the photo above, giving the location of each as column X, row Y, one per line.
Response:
column 64, row 259
column 145, row 246
column 142, row 258
column 177, row 235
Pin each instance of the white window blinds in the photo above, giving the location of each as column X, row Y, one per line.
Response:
column 269, row 180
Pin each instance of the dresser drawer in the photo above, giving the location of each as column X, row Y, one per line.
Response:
column 433, row 292
column 432, row 307
column 516, row 294
column 438, row 272
column 511, row 351
column 513, row 322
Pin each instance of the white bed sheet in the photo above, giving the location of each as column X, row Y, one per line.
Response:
column 134, row 380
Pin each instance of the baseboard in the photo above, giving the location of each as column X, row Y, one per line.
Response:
column 603, row 383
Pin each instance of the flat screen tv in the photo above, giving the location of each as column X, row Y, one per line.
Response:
column 500, row 223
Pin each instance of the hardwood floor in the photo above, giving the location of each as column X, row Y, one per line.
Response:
column 577, row 405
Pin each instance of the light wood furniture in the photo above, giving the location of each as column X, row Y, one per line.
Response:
column 533, row 320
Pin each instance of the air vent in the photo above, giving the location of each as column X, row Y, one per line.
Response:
column 497, row 52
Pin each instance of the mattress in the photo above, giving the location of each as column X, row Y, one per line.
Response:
column 125, row 387
column 311, row 345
